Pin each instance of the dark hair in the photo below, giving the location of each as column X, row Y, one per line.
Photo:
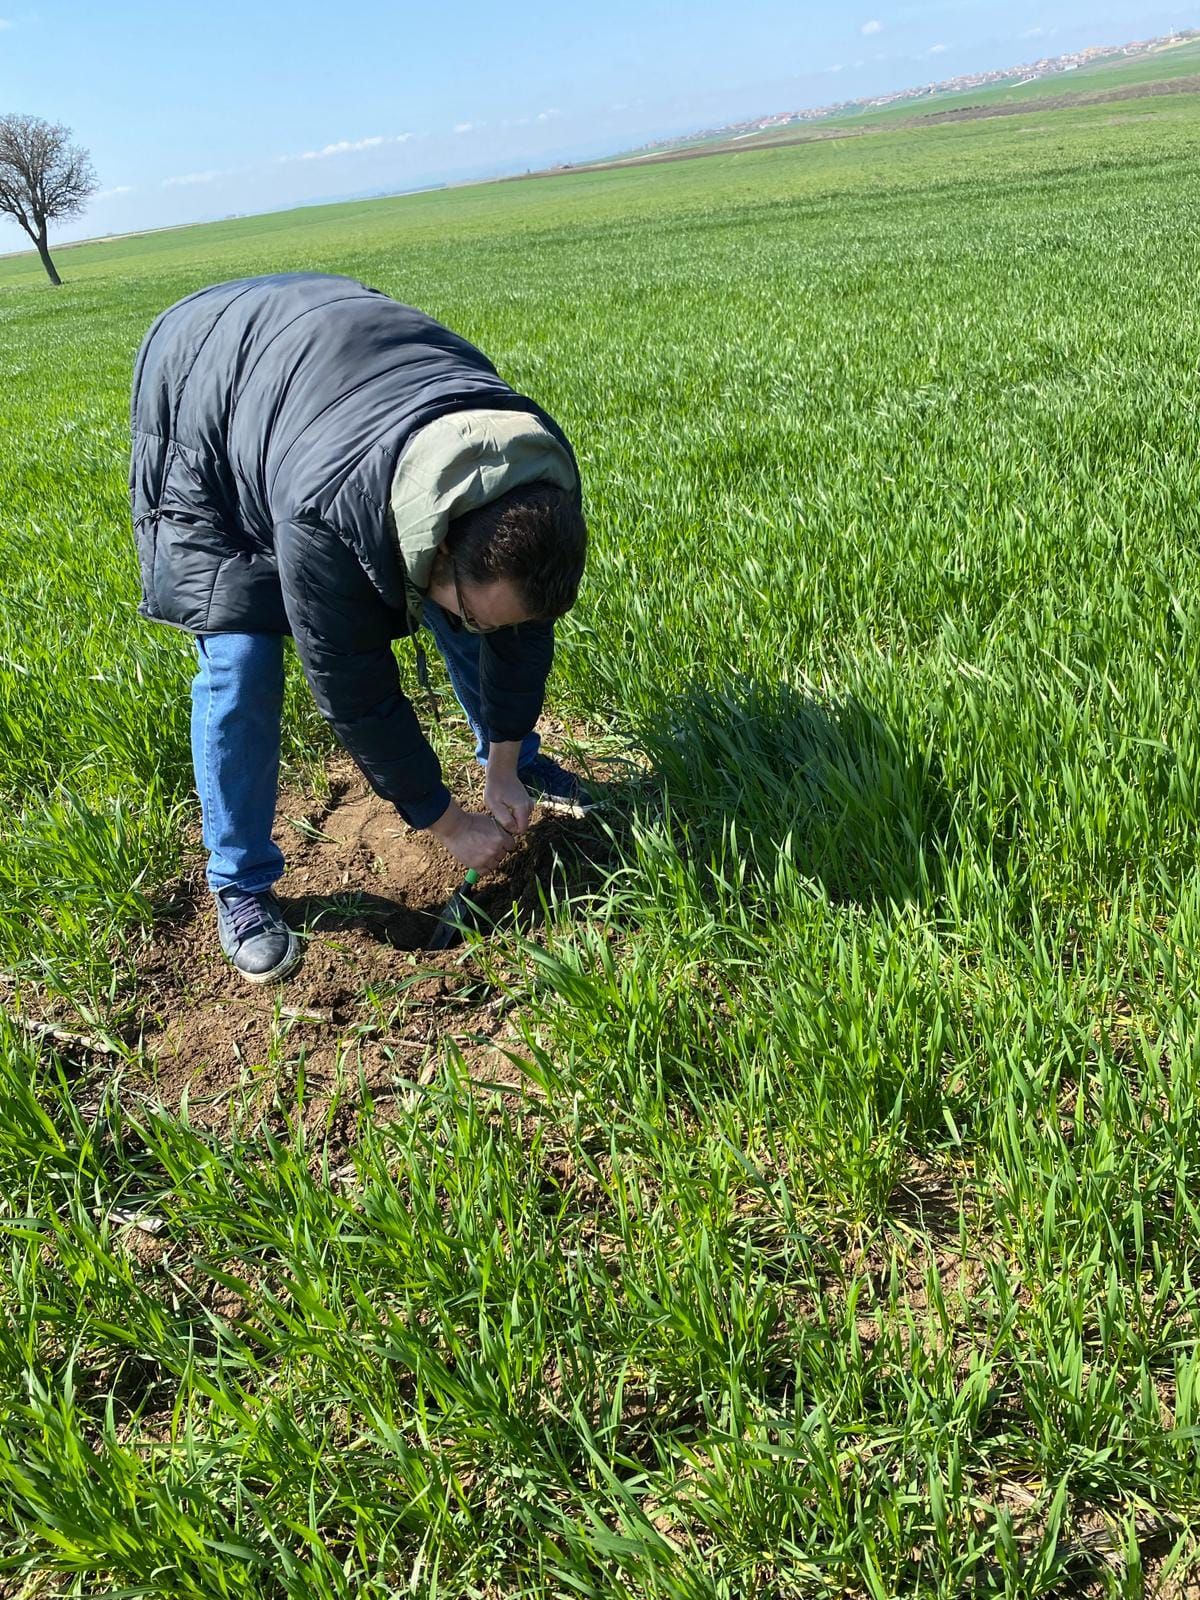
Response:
column 535, row 536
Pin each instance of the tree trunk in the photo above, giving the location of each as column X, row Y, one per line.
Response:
column 44, row 252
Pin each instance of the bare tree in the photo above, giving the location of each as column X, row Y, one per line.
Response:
column 43, row 178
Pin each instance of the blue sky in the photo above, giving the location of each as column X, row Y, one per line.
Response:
column 198, row 112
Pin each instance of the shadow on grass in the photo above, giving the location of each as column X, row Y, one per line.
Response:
column 853, row 804
column 858, row 806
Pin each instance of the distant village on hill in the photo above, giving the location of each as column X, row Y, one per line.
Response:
column 1047, row 67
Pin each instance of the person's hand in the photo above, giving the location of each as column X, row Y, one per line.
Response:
column 476, row 839
column 508, row 800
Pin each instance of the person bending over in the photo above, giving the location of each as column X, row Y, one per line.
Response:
column 312, row 458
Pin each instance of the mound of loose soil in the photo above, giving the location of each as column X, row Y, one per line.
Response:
column 370, row 1007
column 369, row 1001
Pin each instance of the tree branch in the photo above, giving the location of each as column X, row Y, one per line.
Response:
column 43, row 176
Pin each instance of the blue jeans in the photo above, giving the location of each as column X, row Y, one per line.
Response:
column 460, row 651
column 237, row 707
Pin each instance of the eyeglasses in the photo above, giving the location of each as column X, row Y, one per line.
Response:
column 464, row 618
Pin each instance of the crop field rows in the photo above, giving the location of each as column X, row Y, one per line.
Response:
column 797, row 1194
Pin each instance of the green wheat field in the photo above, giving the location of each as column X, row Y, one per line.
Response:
column 835, row 1231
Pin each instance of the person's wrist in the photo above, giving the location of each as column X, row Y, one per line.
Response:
column 503, row 758
column 448, row 824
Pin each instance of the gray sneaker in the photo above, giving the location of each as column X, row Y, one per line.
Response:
column 254, row 935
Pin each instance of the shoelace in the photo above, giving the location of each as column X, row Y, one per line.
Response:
column 247, row 913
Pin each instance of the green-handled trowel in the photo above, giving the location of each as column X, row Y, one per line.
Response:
column 457, row 911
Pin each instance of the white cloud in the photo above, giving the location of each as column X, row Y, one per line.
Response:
column 349, row 147
column 841, row 67
column 1033, row 33
column 108, row 194
column 938, row 49
column 546, row 116
column 5, row 23
column 342, row 147
column 463, row 127
column 874, row 26
column 190, row 177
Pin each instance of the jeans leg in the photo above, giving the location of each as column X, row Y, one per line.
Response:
column 460, row 651
column 237, row 705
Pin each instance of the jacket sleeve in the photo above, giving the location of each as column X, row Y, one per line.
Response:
column 343, row 631
column 514, row 664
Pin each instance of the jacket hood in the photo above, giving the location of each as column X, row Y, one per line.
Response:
column 457, row 463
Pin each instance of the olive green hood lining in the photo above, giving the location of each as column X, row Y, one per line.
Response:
column 456, row 464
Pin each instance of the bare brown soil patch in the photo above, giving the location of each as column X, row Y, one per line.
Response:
column 369, row 1002
column 369, row 1009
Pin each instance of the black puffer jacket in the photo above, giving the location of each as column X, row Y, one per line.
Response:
column 268, row 416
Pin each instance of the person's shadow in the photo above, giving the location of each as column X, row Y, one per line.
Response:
column 856, row 805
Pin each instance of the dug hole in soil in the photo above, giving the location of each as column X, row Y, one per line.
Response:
column 369, row 1003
